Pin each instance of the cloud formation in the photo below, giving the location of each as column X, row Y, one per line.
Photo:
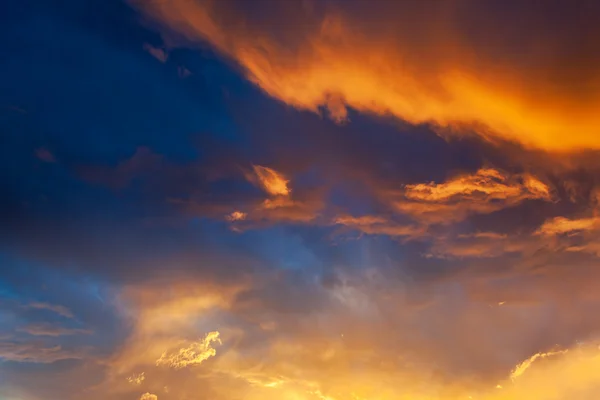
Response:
column 381, row 60
column 484, row 192
column 195, row 353
column 270, row 181
column 522, row 367
column 48, row 330
column 58, row 309
column 136, row 379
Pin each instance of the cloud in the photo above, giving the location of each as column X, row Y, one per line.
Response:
column 377, row 225
column 562, row 225
column 149, row 396
column 35, row 352
column 236, row 216
column 158, row 53
column 136, row 379
column 49, row 330
column 522, row 367
column 316, row 326
column 412, row 305
column 58, row 309
column 483, row 192
column 271, row 181
column 418, row 62
column 283, row 209
column 281, row 205
column 481, row 245
column 194, row 354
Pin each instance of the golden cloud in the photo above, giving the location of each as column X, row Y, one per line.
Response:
column 273, row 182
column 136, row 379
column 483, row 192
column 522, row 367
column 360, row 320
column 194, row 354
column 236, row 216
column 280, row 206
column 445, row 63
column 562, row 225
column 378, row 225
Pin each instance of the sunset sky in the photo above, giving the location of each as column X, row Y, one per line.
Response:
column 300, row 200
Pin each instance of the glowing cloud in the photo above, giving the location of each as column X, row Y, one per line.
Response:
column 236, row 216
column 484, row 192
column 376, row 225
column 194, row 354
column 522, row 367
column 274, row 183
column 490, row 183
column 381, row 61
column 561, row 225
column 136, row 379
column 149, row 396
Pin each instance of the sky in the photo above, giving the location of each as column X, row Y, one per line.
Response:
column 299, row 200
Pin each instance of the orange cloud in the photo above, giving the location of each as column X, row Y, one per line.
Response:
column 561, row 225
column 360, row 319
column 484, row 192
column 273, row 182
column 376, row 225
column 149, row 396
column 236, row 216
column 285, row 209
column 280, row 206
column 446, row 63
column 480, row 245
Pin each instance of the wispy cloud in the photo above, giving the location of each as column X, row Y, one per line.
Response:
column 271, row 181
column 194, row 354
column 156, row 52
column 35, row 352
column 562, row 225
column 50, row 330
column 136, row 379
column 522, row 367
column 58, row 309
column 483, row 192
